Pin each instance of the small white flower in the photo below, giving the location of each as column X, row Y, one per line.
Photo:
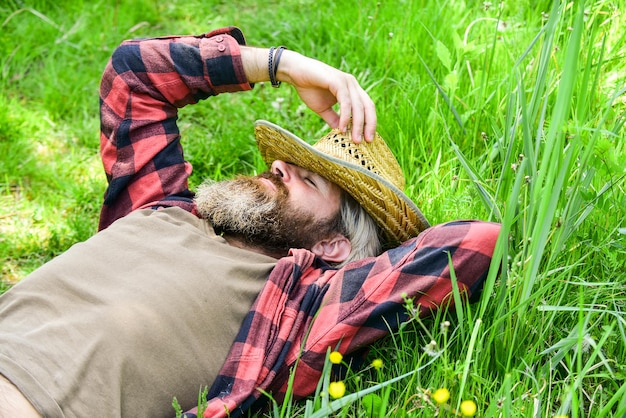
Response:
column 444, row 326
column 431, row 348
column 278, row 103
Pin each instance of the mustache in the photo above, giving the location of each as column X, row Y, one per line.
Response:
column 276, row 181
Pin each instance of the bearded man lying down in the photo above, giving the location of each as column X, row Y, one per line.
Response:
column 229, row 287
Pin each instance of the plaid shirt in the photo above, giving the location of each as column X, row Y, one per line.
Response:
column 306, row 306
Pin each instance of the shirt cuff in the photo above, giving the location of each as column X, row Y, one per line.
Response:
column 222, row 59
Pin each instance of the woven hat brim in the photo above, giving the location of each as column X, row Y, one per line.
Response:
column 390, row 208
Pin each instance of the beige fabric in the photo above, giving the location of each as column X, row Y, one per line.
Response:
column 120, row 324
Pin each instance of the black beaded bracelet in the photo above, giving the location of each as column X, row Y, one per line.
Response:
column 272, row 64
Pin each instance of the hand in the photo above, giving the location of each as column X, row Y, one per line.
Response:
column 319, row 86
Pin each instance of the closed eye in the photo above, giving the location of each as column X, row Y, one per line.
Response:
column 311, row 182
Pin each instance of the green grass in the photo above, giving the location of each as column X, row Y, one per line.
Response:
column 512, row 113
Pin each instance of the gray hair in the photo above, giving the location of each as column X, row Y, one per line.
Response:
column 359, row 227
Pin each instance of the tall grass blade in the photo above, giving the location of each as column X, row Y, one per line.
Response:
column 441, row 91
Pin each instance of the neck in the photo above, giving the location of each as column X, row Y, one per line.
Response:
column 237, row 241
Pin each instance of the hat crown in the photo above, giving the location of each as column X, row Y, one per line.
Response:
column 375, row 156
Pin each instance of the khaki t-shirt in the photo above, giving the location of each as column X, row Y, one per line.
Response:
column 119, row 325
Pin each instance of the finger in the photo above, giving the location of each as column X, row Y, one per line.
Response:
column 355, row 104
column 363, row 115
column 331, row 118
column 351, row 110
column 345, row 111
column 357, row 121
column 364, row 107
column 370, row 121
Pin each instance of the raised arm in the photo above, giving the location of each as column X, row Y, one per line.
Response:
column 143, row 85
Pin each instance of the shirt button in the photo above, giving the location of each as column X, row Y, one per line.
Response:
column 221, row 48
column 219, row 39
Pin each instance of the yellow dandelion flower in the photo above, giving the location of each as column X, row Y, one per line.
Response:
column 441, row 396
column 337, row 389
column 468, row 408
column 335, row 357
column 377, row 363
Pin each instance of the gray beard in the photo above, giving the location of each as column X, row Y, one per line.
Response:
column 245, row 209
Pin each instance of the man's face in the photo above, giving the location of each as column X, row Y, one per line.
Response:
column 287, row 207
column 307, row 190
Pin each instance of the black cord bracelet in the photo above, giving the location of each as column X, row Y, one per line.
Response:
column 276, row 59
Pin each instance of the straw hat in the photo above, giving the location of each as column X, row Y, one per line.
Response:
column 367, row 171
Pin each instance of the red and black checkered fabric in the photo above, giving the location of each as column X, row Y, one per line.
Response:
column 143, row 86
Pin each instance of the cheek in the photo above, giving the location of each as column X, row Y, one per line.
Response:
column 315, row 205
column 308, row 202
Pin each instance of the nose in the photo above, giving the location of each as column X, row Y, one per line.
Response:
column 286, row 171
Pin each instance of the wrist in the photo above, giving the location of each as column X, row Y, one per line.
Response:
column 255, row 64
column 274, row 57
column 286, row 65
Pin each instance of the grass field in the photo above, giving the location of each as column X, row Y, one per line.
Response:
column 505, row 111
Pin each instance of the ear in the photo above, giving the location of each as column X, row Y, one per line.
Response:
column 333, row 250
